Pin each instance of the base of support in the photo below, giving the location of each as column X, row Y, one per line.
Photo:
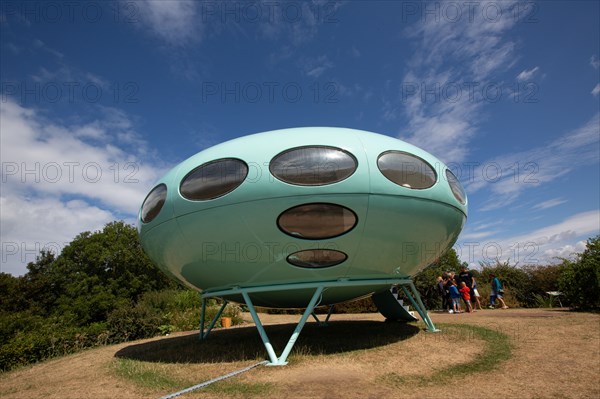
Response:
column 319, row 287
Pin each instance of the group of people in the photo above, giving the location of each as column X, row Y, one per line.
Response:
column 454, row 287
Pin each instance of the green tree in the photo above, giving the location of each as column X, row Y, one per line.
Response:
column 580, row 280
column 105, row 269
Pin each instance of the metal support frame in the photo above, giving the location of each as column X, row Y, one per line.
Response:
column 319, row 287
column 323, row 323
column 204, row 335
column 418, row 305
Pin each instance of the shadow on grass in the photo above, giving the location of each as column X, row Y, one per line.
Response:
column 239, row 344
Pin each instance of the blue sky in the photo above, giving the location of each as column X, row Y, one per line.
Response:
column 100, row 98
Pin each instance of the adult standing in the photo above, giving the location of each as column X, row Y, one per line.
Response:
column 497, row 292
column 441, row 286
column 466, row 277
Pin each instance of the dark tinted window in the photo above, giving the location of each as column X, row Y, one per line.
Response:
column 406, row 170
column 456, row 187
column 213, row 179
column 313, row 166
column 317, row 221
column 317, row 258
column 153, row 203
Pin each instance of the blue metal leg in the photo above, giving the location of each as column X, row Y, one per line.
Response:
column 299, row 326
column 202, row 316
column 261, row 330
column 420, row 308
column 329, row 314
column 313, row 314
column 214, row 320
column 281, row 360
column 420, row 302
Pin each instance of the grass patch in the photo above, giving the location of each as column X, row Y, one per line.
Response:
column 148, row 375
column 498, row 348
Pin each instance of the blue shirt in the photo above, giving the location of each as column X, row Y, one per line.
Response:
column 496, row 285
column 454, row 292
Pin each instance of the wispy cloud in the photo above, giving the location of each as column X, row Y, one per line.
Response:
column 550, row 203
column 529, row 169
column 594, row 62
column 457, row 53
column 542, row 244
column 596, row 90
column 59, row 180
column 177, row 23
column 527, row 75
column 84, row 160
column 538, row 246
column 38, row 44
column 315, row 67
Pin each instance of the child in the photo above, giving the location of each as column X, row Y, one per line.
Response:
column 465, row 291
column 455, row 295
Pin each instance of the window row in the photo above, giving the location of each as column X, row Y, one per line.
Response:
column 304, row 166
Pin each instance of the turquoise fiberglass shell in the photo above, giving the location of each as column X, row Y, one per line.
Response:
column 235, row 241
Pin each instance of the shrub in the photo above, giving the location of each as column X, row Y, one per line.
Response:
column 515, row 281
column 130, row 322
column 580, row 280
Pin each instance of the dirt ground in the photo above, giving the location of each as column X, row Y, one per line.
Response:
column 556, row 354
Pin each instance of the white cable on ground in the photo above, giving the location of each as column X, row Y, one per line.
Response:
column 207, row 383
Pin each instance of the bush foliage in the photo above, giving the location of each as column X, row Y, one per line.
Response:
column 100, row 289
column 580, row 279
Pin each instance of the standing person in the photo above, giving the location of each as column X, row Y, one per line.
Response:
column 466, row 295
column 476, row 296
column 466, row 277
column 455, row 294
column 447, row 285
column 442, row 292
column 497, row 292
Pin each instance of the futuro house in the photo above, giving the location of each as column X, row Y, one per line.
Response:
column 303, row 216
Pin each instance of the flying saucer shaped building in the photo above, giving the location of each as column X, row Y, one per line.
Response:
column 301, row 217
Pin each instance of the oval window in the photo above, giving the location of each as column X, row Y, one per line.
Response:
column 317, row 221
column 313, row 166
column 406, row 170
column 153, row 203
column 456, row 187
column 317, row 258
column 213, row 179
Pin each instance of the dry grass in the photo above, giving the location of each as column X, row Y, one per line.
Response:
column 554, row 354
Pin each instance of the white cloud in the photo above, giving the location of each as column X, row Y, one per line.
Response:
column 84, row 160
column 175, row 22
column 596, row 90
column 315, row 67
column 550, row 203
column 594, row 62
column 527, row 75
column 452, row 54
column 554, row 237
column 32, row 224
column 60, row 180
column 566, row 251
column 508, row 176
column 539, row 246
